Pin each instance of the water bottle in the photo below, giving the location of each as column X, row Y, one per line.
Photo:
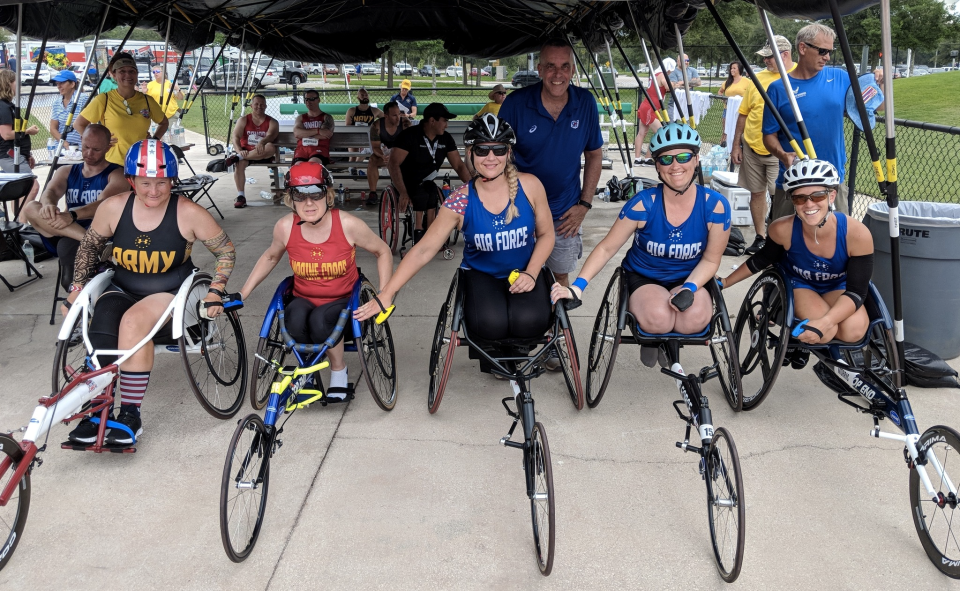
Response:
column 28, row 250
column 445, row 189
column 266, row 195
column 606, row 194
column 340, row 194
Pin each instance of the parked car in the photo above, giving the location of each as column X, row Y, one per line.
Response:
column 455, row 71
column 230, row 73
column 144, row 71
column 488, row 71
column 331, row 69
column 937, row 70
column 429, row 70
column 525, row 78
column 371, row 69
column 314, row 68
column 291, row 72
column 402, row 69
column 27, row 72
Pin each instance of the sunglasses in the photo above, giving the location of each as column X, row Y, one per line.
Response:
column 126, row 106
column 156, row 71
column 299, row 197
column 816, row 197
column 498, row 150
column 682, row 158
column 311, row 99
column 820, row 51
column 500, row 93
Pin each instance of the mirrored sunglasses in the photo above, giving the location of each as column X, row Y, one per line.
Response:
column 682, row 158
column 314, row 192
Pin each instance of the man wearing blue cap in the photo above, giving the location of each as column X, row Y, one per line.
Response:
column 66, row 82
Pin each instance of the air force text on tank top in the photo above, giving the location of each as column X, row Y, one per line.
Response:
column 83, row 190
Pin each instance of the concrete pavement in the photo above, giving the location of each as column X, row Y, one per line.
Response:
column 363, row 499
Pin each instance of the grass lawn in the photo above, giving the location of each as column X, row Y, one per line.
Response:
column 934, row 98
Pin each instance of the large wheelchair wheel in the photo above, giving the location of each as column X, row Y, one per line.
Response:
column 542, row 503
column 263, row 374
column 390, row 217
column 13, row 516
column 604, row 342
column 760, row 336
column 243, row 488
column 377, row 355
column 569, row 359
column 444, row 344
column 214, row 354
column 723, row 349
column 936, row 518
column 70, row 357
column 725, row 505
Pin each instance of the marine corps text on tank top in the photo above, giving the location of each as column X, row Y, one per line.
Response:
column 322, row 272
column 253, row 133
column 308, row 147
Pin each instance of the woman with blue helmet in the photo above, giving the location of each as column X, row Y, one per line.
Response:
column 153, row 233
column 679, row 231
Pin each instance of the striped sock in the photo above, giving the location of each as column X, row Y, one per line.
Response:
column 133, row 385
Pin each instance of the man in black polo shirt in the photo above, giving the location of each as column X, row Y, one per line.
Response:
column 416, row 159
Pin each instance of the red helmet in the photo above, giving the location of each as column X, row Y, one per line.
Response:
column 309, row 173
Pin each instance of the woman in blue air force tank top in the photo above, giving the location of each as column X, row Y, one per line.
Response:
column 679, row 231
column 826, row 257
column 506, row 226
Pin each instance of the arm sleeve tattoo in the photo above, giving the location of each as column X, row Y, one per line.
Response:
column 222, row 248
column 88, row 256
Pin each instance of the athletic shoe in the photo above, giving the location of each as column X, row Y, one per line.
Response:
column 372, row 199
column 754, row 248
column 417, row 235
column 241, row 202
column 231, row 160
column 649, row 355
column 86, row 431
column 552, row 361
column 361, row 172
column 117, row 436
column 639, row 161
column 352, row 171
column 647, row 162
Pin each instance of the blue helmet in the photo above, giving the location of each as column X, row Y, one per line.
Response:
column 675, row 135
column 151, row 158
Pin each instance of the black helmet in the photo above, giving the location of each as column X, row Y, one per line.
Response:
column 489, row 129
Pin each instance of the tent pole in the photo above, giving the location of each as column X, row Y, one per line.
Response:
column 633, row 71
column 188, row 102
column 76, row 101
column 619, row 107
column 193, row 77
column 605, row 101
column 893, row 202
column 656, row 54
column 804, row 135
column 753, row 77
column 681, row 63
column 163, row 69
column 17, row 123
column 235, row 97
column 22, row 127
column 662, row 114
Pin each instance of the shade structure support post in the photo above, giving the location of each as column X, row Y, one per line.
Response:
column 808, row 150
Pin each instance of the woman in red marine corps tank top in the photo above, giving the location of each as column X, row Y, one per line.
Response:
column 321, row 245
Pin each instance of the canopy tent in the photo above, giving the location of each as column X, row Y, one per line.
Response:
column 341, row 31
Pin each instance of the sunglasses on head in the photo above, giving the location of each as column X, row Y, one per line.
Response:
column 816, row 197
column 682, row 158
column 318, row 195
column 498, row 150
column 820, row 50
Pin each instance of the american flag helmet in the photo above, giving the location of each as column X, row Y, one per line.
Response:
column 150, row 158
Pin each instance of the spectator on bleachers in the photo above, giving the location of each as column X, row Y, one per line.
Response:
column 383, row 136
column 66, row 82
column 253, row 136
column 362, row 115
column 496, row 96
column 84, row 186
column 313, row 131
column 406, row 101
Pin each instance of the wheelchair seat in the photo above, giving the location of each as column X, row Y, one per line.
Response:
column 876, row 312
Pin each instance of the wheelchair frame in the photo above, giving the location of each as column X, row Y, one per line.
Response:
column 391, row 221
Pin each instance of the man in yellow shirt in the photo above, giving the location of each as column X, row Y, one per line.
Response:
column 758, row 167
column 153, row 91
column 496, row 97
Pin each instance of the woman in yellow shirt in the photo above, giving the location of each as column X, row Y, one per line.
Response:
column 736, row 84
column 125, row 111
column 153, row 91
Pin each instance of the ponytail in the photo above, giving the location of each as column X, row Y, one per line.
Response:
column 513, row 183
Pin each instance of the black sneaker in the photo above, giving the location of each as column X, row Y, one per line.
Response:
column 241, row 202
column 552, row 360
column 417, row 235
column 372, row 199
column 117, row 436
column 754, row 248
column 86, row 431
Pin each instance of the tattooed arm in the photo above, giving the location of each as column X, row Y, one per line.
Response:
column 222, row 248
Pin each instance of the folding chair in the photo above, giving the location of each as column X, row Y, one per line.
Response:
column 197, row 186
column 14, row 187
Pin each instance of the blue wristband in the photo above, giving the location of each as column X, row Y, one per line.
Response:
column 691, row 286
column 581, row 284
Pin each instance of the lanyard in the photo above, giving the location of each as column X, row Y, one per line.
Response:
column 432, row 148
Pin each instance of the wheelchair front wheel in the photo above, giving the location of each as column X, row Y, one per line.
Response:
column 390, row 217
column 723, row 348
column 441, row 353
column 935, row 519
column 263, row 374
column 377, row 355
column 13, row 516
column 542, row 509
column 214, row 354
column 70, row 357
column 725, row 506
column 604, row 342
column 760, row 337
column 243, row 488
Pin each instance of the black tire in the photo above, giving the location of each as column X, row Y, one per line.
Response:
column 263, row 375
column 725, row 358
column 604, row 342
column 883, row 357
column 761, row 336
column 377, row 355
column 935, row 521
column 725, row 506
column 570, row 366
column 441, row 352
column 69, row 359
column 13, row 516
column 214, row 354
column 389, row 217
column 542, row 509
column 242, row 508
column 296, row 79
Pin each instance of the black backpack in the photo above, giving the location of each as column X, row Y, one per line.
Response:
column 736, row 244
column 216, row 165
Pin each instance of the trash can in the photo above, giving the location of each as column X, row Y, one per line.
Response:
column 929, row 271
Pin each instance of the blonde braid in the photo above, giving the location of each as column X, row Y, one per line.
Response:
column 513, row 182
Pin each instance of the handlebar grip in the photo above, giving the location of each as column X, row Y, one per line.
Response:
column 799, row 328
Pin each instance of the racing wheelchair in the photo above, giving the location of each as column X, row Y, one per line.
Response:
column 867, row 376
column 213, row 353
column 393, row 221
column 284, row 389
column 512, row 359
column 719, row 464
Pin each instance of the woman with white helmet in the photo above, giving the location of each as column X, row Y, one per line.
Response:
column 153, row 233
column 826, row 256
column 679, row 231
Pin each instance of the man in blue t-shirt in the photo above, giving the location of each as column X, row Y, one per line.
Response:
column 555, row 124
column 693, row 76
column 820, row 94
column 406, row 101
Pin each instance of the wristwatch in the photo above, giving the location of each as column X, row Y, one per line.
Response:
column 586, row 204
column 73, row 214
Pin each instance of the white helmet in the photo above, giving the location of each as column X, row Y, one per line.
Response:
column 809, row 173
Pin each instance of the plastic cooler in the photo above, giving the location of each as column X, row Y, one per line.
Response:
column 725, row 183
